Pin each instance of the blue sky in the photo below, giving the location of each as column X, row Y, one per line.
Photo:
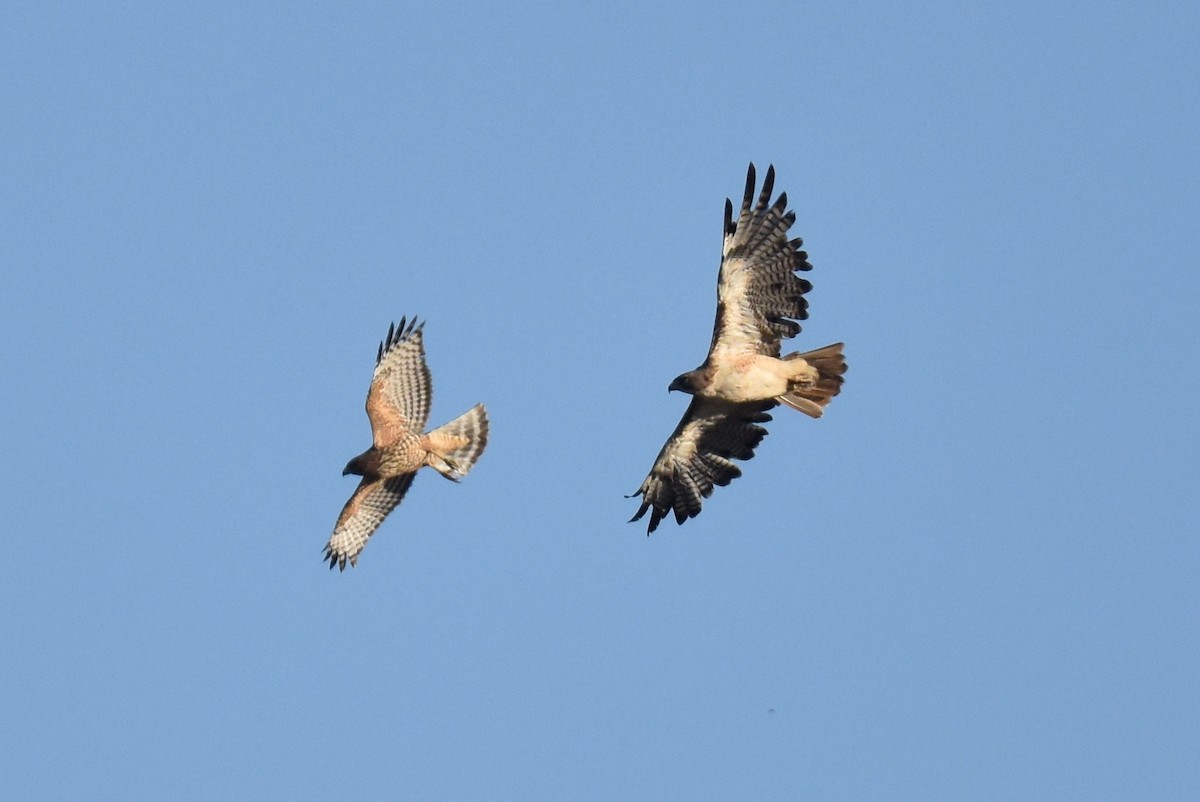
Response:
column 974, row 578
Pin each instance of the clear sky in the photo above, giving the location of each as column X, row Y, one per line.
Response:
column 974, row 578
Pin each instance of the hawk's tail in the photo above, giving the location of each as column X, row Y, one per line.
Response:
column 454, row 447
column 808, row 396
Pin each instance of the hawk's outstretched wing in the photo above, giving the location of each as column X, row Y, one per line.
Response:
column 698, row 457
column 362, row 515
column 401, row 389
column 759, row 295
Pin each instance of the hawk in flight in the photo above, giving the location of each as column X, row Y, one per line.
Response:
column 398, row 406
column 759, row 300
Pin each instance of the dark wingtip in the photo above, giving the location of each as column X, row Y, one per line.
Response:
column 334, row 560
column 751, row 179
column 655, row 517
column 768, row 187
column 397, row 333
column 641, row 510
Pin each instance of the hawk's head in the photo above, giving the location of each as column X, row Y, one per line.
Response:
column 685, row 383
column 357, row 466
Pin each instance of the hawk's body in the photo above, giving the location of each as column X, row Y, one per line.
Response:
column 398, row 407
column 759, row 300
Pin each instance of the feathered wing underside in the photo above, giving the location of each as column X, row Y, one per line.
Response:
column 759, row 295
column 698, row 456
column 401, row 388
column 362, row 515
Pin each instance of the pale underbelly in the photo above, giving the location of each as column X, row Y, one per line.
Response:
column 751, row 379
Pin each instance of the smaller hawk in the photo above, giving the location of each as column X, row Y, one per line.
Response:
column 398, row 406
column 759, row 300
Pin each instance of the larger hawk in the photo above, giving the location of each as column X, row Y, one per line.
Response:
column 759, row 300
column 398, row 406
